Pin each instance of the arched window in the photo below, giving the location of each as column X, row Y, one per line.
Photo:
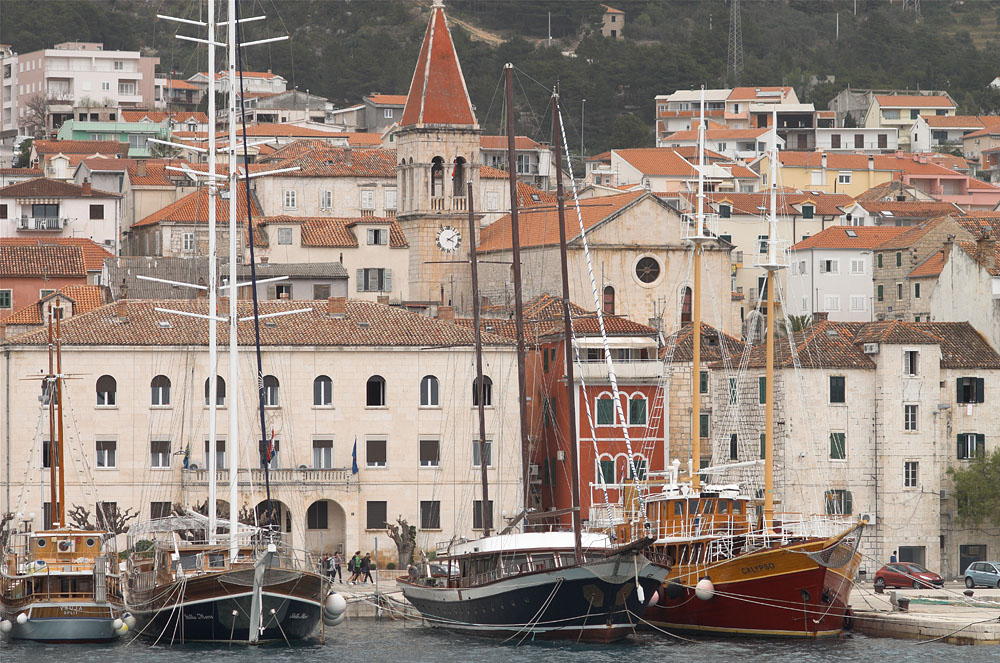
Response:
column 322, row 391
column 685, row 305
column 106, row 391
column 270, row 391
column 458, row 177
column 429, row 387
column 375, row 391
column 609, row 300
column 160, row 388
column 437, row 177
column 637, row 410
column 487, row 391
column 220, row 393
column 402, row 183
column 317, row 515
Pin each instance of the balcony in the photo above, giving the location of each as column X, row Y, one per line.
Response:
column 32, row 223
column 336, row 477
column 437, row 203
column 460, row 204
column 633, row 370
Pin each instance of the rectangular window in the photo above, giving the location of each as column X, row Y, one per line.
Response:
column 762, row 390
column 477, row 514
column 107, row 453
column 703, row 382
column 857, row 302
column 430, row 514
column 321, row 291
column 3, row 211
column 475, row 453
column 733, row 391
column 914, row 113
column 910, row 468
column 375, row 453
column 910, row 361
column 909, row 417
column 880, row 290
column 374, row 279
column 608, row 471
column 838, row 446
column 971, row 390
column 763, row 445
column 6, row 299
column 605, row 412
column 725, row 211
column 220, row 454
column 326, row 199
column 290, row 199
column 734, row 446
column 492, row 201
column 378, row 236
column 837, row 389
column 916, row 291
column 387, row 113
column 891, row 114
column 159, row 510
column 703, row 427
column 126, row 88
column 322, row 454
column 637, row 411
column 762, row 244
column 857, row 266
column 367, row 199
column 285, row 236
column 839, row 502
column 375, row 513
column 859, row 141
column 390, row 199
column 808, row 211
column 318, row 516
column 844, row 177
column 430, row 453
column 97, row 212
column 883, row 141
column 159, row 454
column 637, row 469
column 829, row 266
column 899, row 291
column 971, row 445
column 835, row 141
column 187, row 241
column 831, row 302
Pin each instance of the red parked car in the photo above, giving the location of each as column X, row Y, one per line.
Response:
column 906, row 574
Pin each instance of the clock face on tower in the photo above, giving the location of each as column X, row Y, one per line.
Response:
column 449, row 239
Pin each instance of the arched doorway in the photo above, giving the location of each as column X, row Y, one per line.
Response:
column 279, row 515
column 325, row 527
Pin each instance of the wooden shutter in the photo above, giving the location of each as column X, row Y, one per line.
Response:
column 387, row 287
column 958, row 448
column 980, row 449
column 372, row 239
column 361, row 280
column 980, row 390
column 272, row 292
column 958, row 390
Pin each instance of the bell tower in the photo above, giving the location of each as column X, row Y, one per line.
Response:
column 437, row 154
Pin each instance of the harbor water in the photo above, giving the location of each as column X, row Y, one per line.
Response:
column 388, row 641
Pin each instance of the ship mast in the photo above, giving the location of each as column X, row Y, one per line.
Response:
column 212, row 288
column 772, row 264
column 699, row 239
column 59, row 430
column 477, row 332
column 50, row 391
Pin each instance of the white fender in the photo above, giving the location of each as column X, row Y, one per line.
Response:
column 22, row 618
column 704, row 589
column 6, row 626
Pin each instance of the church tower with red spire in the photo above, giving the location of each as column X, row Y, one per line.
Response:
column 437, row 152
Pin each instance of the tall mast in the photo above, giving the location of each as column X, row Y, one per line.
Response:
column 234, row 426
column 59, row 430
column 698, row 240
column 212, row 284
column 50, row 386
column 771, row 266
column 568, row 330
column 522, row 382
column 476, row 303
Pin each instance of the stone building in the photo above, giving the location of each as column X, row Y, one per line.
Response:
column 345, row 381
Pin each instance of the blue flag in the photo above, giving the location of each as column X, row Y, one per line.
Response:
column 354, row 457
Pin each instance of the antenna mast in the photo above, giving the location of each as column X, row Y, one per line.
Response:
column 735, row 60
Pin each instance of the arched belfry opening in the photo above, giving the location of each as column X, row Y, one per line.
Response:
column 459, row 177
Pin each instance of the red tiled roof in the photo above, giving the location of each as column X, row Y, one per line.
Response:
column 42, row 187
column 714, row 344
column 33, row 260
column 657, row 161
column 266, row 129
column 20, row 172
column 43, row 147
column 388, row 99
column 491, row 173
column 437, row 92
column 156, row 173
column 176, row 84
column 362, row 138
column 908, row 163
column 500, row 143
column 961, row 345
column 837, row 237
column 542, row 228
column 750, row 93
column 690, row 113
column 756, row 204
column 365, row 324
column 84, row 297
column 953, row 121
column 245, row 74
column 894, row 332
column 107, row 164
column 603, row 156
column 193, row 208
column 972, row 248
column 324, row 160
column 162, row 116
column 528, row 195
column 933, row 266
column 718, row 134
column 913, row 101
column 823, row 345
column 912, row 234
column 335, row 232
column 926, row 209
column 93, row 253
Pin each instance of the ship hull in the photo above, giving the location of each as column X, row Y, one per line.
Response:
column 216, row 607
column 593, row 602
column 775, row 592
column 67, row 623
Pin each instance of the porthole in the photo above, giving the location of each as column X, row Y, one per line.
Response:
column 91, row 542
column 41, row 543
column 647, row 270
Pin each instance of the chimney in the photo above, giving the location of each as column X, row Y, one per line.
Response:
column 922, row 158
column 140, row 168
column 383, row 299
column 85, row 188
column 871, row 162
column 822, row 158
column 820, row 316
column 336, row 307
column 263, row 260
column 986, row 247
column 121, row 310
column 284, row 296
column 446, row 313
column 223, row 306
column 899, row 154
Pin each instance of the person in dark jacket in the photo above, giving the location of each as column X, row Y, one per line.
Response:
column 354, row 566
column 366, row 568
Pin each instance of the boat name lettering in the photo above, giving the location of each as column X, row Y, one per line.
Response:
column 196, row 615
column 748, row 570
column 298, row 615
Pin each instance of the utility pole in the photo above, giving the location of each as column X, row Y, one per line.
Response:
column 583, row 107
column 550, row 28
column 735, row 64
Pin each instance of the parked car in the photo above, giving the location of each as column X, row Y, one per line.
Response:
column 983, row 573
column 906, row 574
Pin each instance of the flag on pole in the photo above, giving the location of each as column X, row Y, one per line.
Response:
column 270, row 447
column 354, row 457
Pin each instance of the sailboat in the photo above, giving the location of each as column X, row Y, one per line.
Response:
column 60, row 584
column 187, row 582
column 737, row 572
column 546, row 585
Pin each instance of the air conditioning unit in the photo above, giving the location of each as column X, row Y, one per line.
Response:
column 871, row 348
column 66, row 546
column 944, row 494
column 867, row 516
column 560, row 455
column 533, row 471
column 303, row 467
column 193, row 466
column 880, row 316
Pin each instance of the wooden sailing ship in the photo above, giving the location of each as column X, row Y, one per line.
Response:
column 59, row 584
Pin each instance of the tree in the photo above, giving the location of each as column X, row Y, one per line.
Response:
column 977, row 490
column 37, row 110
column 404, row 536
column 24, row 154
column 630, row 131
column 108, row 518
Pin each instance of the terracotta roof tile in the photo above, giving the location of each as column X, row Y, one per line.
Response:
column 657, row 161
column 972, row 249
column 715, row 344
column 489, row 172
column 838, row 237
column 926, row 209
column 84, row 297
column 193, row 208
column 895, row 332
column 93, row 253
column 106, row 164
column 323, row 160
column 822, row 345
column 933, row 266
column 162, row 116
column 45, row 147
column 755, row 204
column 366, row 324
column 913, row 233
column 20, row 172
column 42, row 187
column 328, row 232
column 543, row 319
column 180, row 85
column 388, row 99
column 33, row 260
column 961, row 345
column 542, row 228
column 750, row 93
column 500, row 143
column 528, row 195
column 718, row 134
column 913, row 101
column 953, row 121
column 437, row 92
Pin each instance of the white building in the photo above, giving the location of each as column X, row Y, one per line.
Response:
column 47, row 208
column 860, row 140
column 345, row 382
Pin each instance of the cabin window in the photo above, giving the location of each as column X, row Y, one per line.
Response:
column 708, row 506
column 737, row 506
column 678, row 508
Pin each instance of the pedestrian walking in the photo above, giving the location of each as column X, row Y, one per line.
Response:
column 354, row 566
column 335, row 567
column 366, row 568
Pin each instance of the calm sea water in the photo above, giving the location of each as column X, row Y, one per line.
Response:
column 364, row 640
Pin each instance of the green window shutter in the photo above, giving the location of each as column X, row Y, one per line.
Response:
column 733, row 446
column 980, row 390
column 608, row 471
column 545, row 360
column 762, row 390
column 637, row 411
column 880, row 260
column 899, row 259
column 838, row 446
column 960, row 448
column 763, row 445
column 605, row 412
column 703, row 382
column 880, row 289
column 387, row 286
column 980, row 445
column 958, row 391
column 848, row 502
column 703, row 426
